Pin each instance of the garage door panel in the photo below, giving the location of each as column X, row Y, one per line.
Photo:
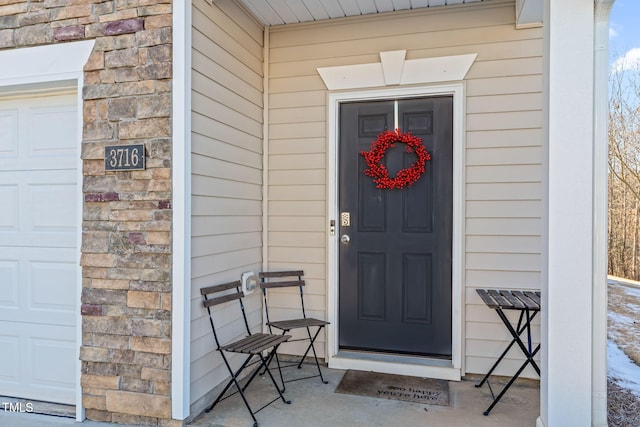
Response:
column 51, row 132
column 9, row 134
column 9, row 207
column 53, row 208
column 52, row 287
column 39, row 133
column 40, row 363
column 45, row 352
column 9, row 284
column 42, row 208
column 9, row 358
column 45, row 288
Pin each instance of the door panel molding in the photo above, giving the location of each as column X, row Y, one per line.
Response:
column 435, row 368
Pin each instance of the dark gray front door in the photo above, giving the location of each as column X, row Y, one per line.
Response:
column 395, row 271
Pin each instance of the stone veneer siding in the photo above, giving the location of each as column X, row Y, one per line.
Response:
column 126, row 229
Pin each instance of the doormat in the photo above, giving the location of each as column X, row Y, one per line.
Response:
column 396, row 387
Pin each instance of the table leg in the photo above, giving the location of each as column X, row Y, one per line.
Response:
column 526, row 350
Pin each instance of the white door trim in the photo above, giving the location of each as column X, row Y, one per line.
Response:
column 51, row 67
column 399, row 365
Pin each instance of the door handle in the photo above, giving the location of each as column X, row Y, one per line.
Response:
column 345, row 239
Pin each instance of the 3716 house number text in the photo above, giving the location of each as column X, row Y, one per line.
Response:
column 124, row 157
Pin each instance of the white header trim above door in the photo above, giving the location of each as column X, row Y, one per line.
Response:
column 394, row 69
column 43, row 64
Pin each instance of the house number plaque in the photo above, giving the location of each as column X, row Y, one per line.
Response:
column 124, row 157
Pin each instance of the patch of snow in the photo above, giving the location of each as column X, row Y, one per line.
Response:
column 632, row 291
column 622, row 369
column 619, row 318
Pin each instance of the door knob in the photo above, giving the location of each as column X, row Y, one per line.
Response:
column 345, row 239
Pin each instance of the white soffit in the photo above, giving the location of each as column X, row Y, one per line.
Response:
column 279, row 12
column 395, row 70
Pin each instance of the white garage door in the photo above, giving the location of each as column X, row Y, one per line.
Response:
column 38, row 247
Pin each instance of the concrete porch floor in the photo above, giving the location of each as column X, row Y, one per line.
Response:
column 314, row 404
column 317, row 405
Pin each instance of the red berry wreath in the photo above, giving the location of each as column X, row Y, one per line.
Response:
column 405, row 177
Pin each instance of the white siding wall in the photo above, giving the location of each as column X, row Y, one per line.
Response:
column 503, row 149
column 227, row 114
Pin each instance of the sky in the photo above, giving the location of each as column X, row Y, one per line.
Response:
column 624, row 35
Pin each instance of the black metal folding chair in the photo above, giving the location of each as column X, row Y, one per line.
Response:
column 284, row 279
column 253, row 345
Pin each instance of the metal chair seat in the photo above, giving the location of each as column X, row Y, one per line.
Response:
column 287, row 325
column 255, row 343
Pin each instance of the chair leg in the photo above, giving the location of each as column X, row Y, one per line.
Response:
column 264, row 370
column 266, row 367
column 219, row 398
column 234, row 380
column 241, row 389
column 279, row 370
column 246, row 403
column 273, row 380
column 311, row 347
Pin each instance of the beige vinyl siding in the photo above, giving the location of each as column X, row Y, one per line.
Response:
column 226, row 166
column 503, row 174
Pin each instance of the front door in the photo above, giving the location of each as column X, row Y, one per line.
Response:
column 395, row 261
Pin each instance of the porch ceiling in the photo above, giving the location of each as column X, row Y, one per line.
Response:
column 279, row 12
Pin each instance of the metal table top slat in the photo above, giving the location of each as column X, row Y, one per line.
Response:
column 502, row 301
column 486, row 298
column 515, row 302
column 535, row 296
column 528, row 302
column 510, row 299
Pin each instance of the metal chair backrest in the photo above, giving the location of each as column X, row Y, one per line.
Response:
column 219, row 294
column 275, row 279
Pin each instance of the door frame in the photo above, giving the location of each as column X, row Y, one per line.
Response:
column 397, row 364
